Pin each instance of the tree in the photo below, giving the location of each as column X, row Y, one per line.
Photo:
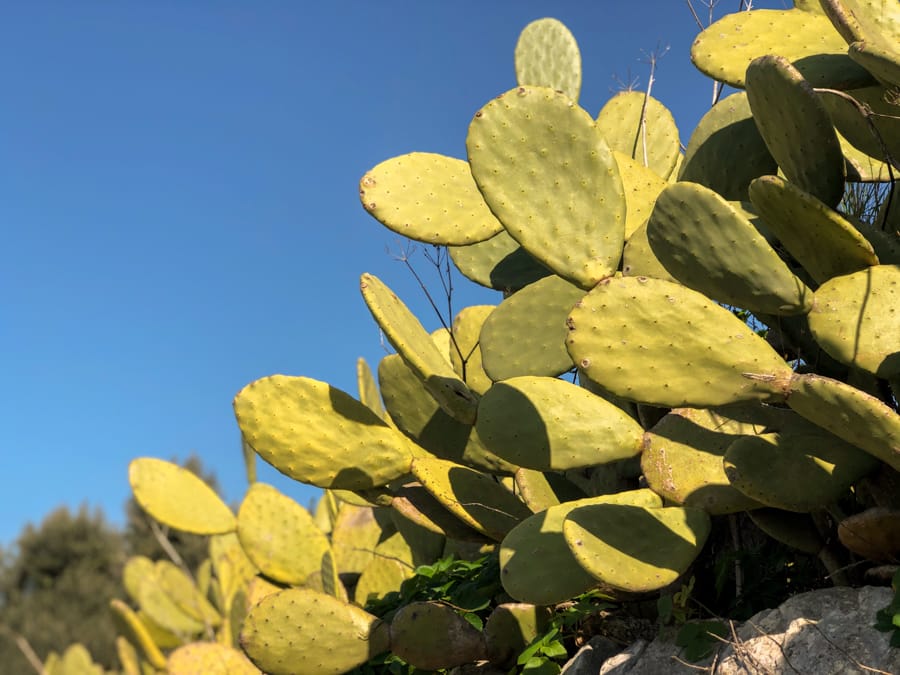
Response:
column 55, row 588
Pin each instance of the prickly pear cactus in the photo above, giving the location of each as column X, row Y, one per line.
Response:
column 681, row 340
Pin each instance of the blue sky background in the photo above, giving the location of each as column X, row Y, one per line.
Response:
column 179, row 209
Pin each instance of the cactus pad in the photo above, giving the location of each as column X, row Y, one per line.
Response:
column 856, row 319
column 299, row 630
column 430, row 198
column 656, row 342
column 602, row 539
column 177, row 498
column 297, row 424
column 547, row 55
column 537, row 315
column 642, row 186
column 695, row 234
column 551, row 425
column 550, row 178
column 498, row 263
column 466, row 331
column 409, row 338
column 433, row 636
column 209, row 658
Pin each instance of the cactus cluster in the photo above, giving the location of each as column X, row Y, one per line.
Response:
column 620, row 260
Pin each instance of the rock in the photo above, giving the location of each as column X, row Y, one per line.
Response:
column 591, row 656
column 824, row 632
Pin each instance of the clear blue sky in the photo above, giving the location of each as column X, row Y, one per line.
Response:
column 178, row 203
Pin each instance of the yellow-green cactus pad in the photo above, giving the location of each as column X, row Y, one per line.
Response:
column 433, row 636
column 642, row 187
column 856, row 126
column 766, row 468
column 137, row 633
column 429, row 198
column 857, row 319
column 796, row 127
column 697, row 235
column 299, row 630
column 552, row 425
column 466, row 358
column 639, row 260
column 848, row 413
column 357, row 531
column 880, row 59
column 369, row 395
column 642, row 128
column 548, row 175
column 381, row 576
column 797, row 530
column 511, row 627
column 498, row 263
column 417, row 348
column 876, row 20
column 547, row 55
column 129, row 660
column 280, row 536
column 535, row 490
column 659, row 343
column 727, row 131
column 725, row 49
column 182, row 589
column 537, row 316
column 603, row 538
column 418, row 416
column 209, row 658
column 176, row 497
column 137, row 568
column 317, row 434
column 414, row 503
column 473, row 497
column 536, row 565
column 821, row 240
column 165, row 611
column 682, row 460
column 232, row 567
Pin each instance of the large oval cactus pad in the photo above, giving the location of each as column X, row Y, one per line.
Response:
column 317, row 434
column 547, row 55
column 655, row 342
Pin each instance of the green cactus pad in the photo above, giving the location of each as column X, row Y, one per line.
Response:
column 298, row 425
column 547, row 55
column 430, row 198
column 209, row 658
column 232, row 567
column 860, row 167
column 535, row 490
column 299, row 630
column 433, row 636
column 882, row 60
column 129, row 661
column 727, row 131
column 176, row 497
column 537, row 316
column 357, row 531
column 369, row 395
column 857, row 20
column 418, row 416
column 602, row 539
column 653, row 144
column 796, row 127
column 850, row 414
column 797, row 530
column 536, row 565
column 659, row 343
column 766, row 467
column 137, row 633
column 417, row 348
column 695, row 233
column 136, row 569
column 466, row 333
column 164, row 610
column 725, row 49
column 550, row 178
column 551, row 425
column 857, row 319
column 280, row 536
column 473, row 497
column 414, row 503
column 642, row 187
column 682, row 460
column 511, row 627
column 856, row 127
column 182, row 589
column 639, row 260
column 820, row 239
column 498, row 263
column 380, row 577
